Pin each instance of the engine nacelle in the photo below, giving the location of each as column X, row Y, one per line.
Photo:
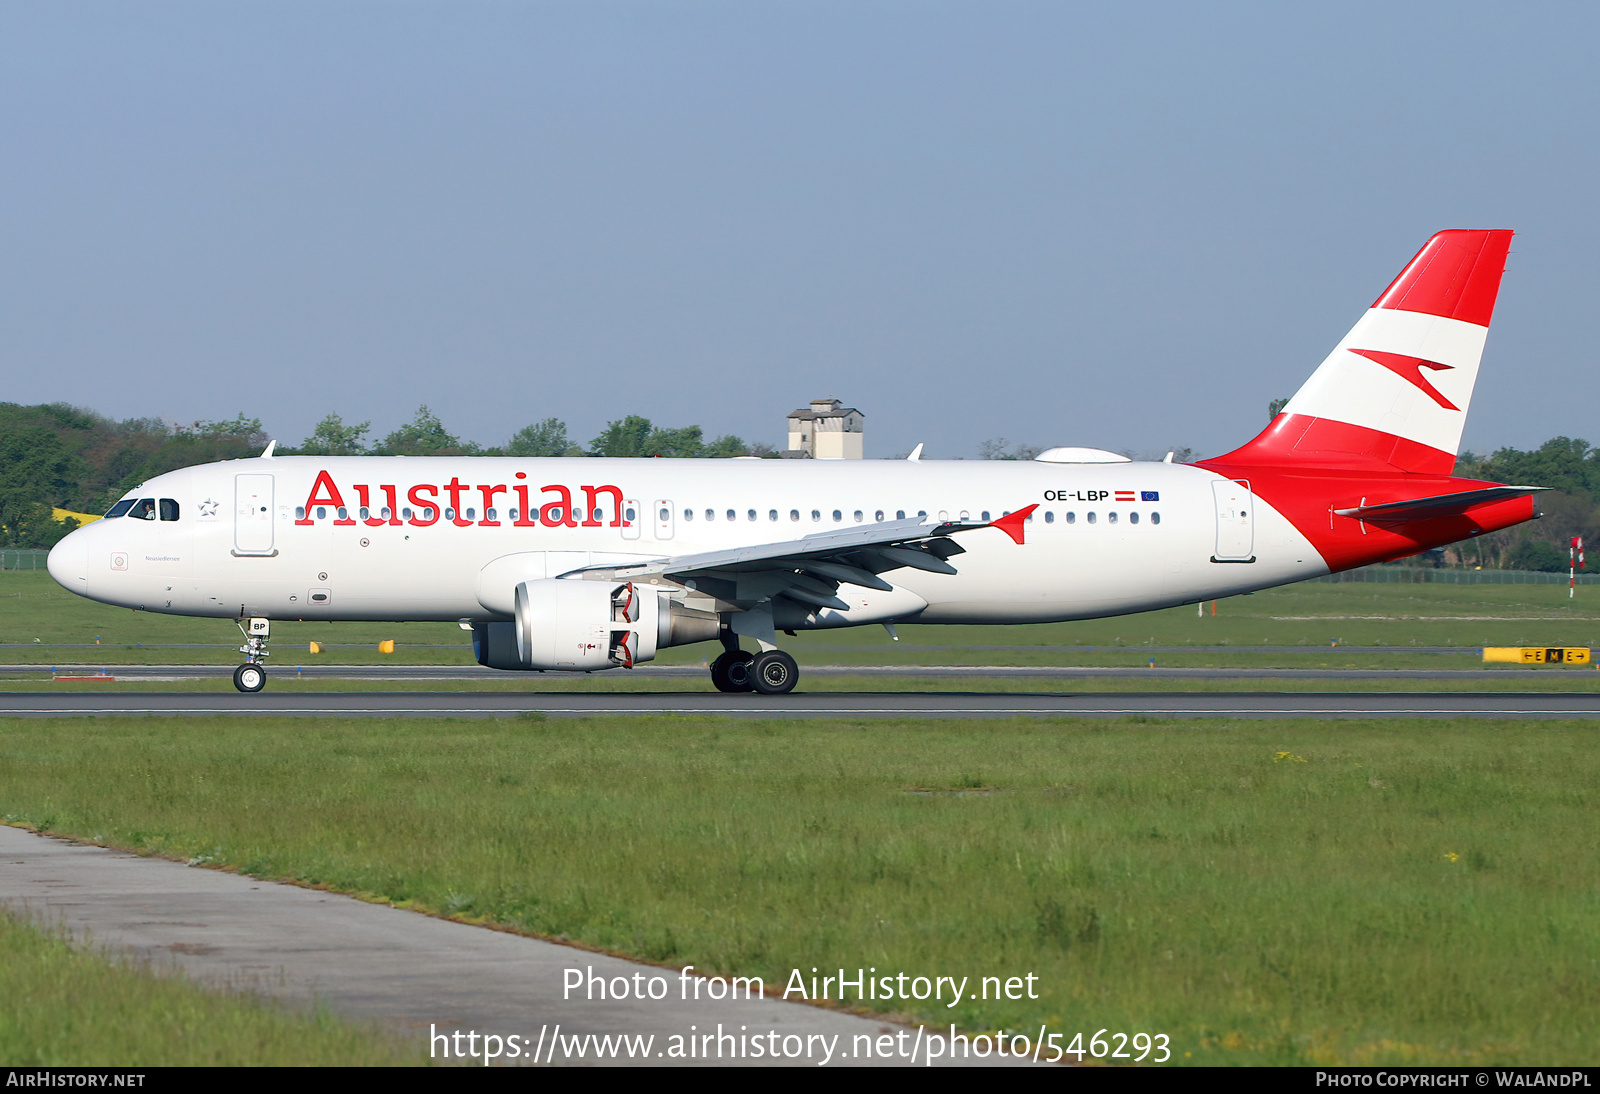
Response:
column 567, row 625
column 581, row 626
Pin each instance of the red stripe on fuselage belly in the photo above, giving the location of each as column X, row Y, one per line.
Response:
column 1307, row 498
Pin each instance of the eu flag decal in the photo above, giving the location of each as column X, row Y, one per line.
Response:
column 1149, row 495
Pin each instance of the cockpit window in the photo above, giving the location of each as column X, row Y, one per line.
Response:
column 119, row 509
column 144, row 509
column 169, row 509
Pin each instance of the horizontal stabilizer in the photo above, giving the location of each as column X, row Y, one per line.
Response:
column 1444, row 505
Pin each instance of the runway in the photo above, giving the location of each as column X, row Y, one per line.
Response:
column 974, row 704
column 281, row 675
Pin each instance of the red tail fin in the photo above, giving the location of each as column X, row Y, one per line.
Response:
column 1370, row 406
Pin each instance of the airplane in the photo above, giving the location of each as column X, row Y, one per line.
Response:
column 586, row 564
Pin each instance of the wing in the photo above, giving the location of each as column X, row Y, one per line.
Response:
column 811, row 569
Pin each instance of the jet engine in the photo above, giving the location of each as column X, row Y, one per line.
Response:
column 570, row 625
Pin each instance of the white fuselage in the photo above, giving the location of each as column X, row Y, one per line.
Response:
column 247, row 543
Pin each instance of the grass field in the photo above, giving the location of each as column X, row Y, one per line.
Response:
column 1290, row 892
column 63, row 1006
column 1311, row 614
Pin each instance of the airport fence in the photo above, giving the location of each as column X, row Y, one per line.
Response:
column 1427, row 575
column 24, row 559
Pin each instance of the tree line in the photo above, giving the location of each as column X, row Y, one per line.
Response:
column 57, row 456
column 65, row 457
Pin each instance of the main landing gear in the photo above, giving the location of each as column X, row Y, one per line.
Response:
column 771, row 672
column 251, row 676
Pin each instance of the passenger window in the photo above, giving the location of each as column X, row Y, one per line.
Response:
column 944, row 514
column 119, row 509
column 1072, row 518
column 363, row 512
column 688, row 514
column 665, row 515
column 899, row 514
column 405, row 514
column 1133, row 518
column 1091, row 518
column 169, row 509
column 711, row 514
column 922, row 514
column 385, row 513
column 772, row 514
column 322, row 512
column 1049, row 517
column 985, row 514
column 965, row 515
column 751, row 516
column 735, row 516
column 344, row 514
column 816, row 514
column 1111, row 517
column 144, row 509
column 488, row 514
column 878, row 516
column 471, row 514
column 858, row 516
column 627, row 514
column 1155, row 518
column 794, row 514
column 837, row 516
column 449, row 513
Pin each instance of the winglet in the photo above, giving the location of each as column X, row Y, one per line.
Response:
column 916, row 453
column 271, row 447
column 1011, row 523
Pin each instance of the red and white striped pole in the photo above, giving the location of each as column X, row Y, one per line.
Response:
column 1574, row 564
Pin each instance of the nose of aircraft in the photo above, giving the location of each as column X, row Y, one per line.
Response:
column 69, row 563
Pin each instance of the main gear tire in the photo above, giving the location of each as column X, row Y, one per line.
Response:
column 731, row 671
column 774, row 673
column 250, row 678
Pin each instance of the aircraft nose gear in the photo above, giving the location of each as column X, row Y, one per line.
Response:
column 251, row 676
column 731, row 671
column 774, row 673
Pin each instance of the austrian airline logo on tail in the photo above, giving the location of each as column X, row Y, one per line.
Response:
column 1410, row 368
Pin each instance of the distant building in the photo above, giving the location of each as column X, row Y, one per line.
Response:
column 826, row 430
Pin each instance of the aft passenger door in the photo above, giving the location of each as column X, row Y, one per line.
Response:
column 252, row 515
column 1236, row 536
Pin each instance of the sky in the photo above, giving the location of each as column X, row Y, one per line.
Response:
column 1126, row 226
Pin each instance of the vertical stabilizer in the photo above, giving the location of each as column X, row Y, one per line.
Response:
column 1393, row 395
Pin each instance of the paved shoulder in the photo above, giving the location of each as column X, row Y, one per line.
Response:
column 416, row 974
